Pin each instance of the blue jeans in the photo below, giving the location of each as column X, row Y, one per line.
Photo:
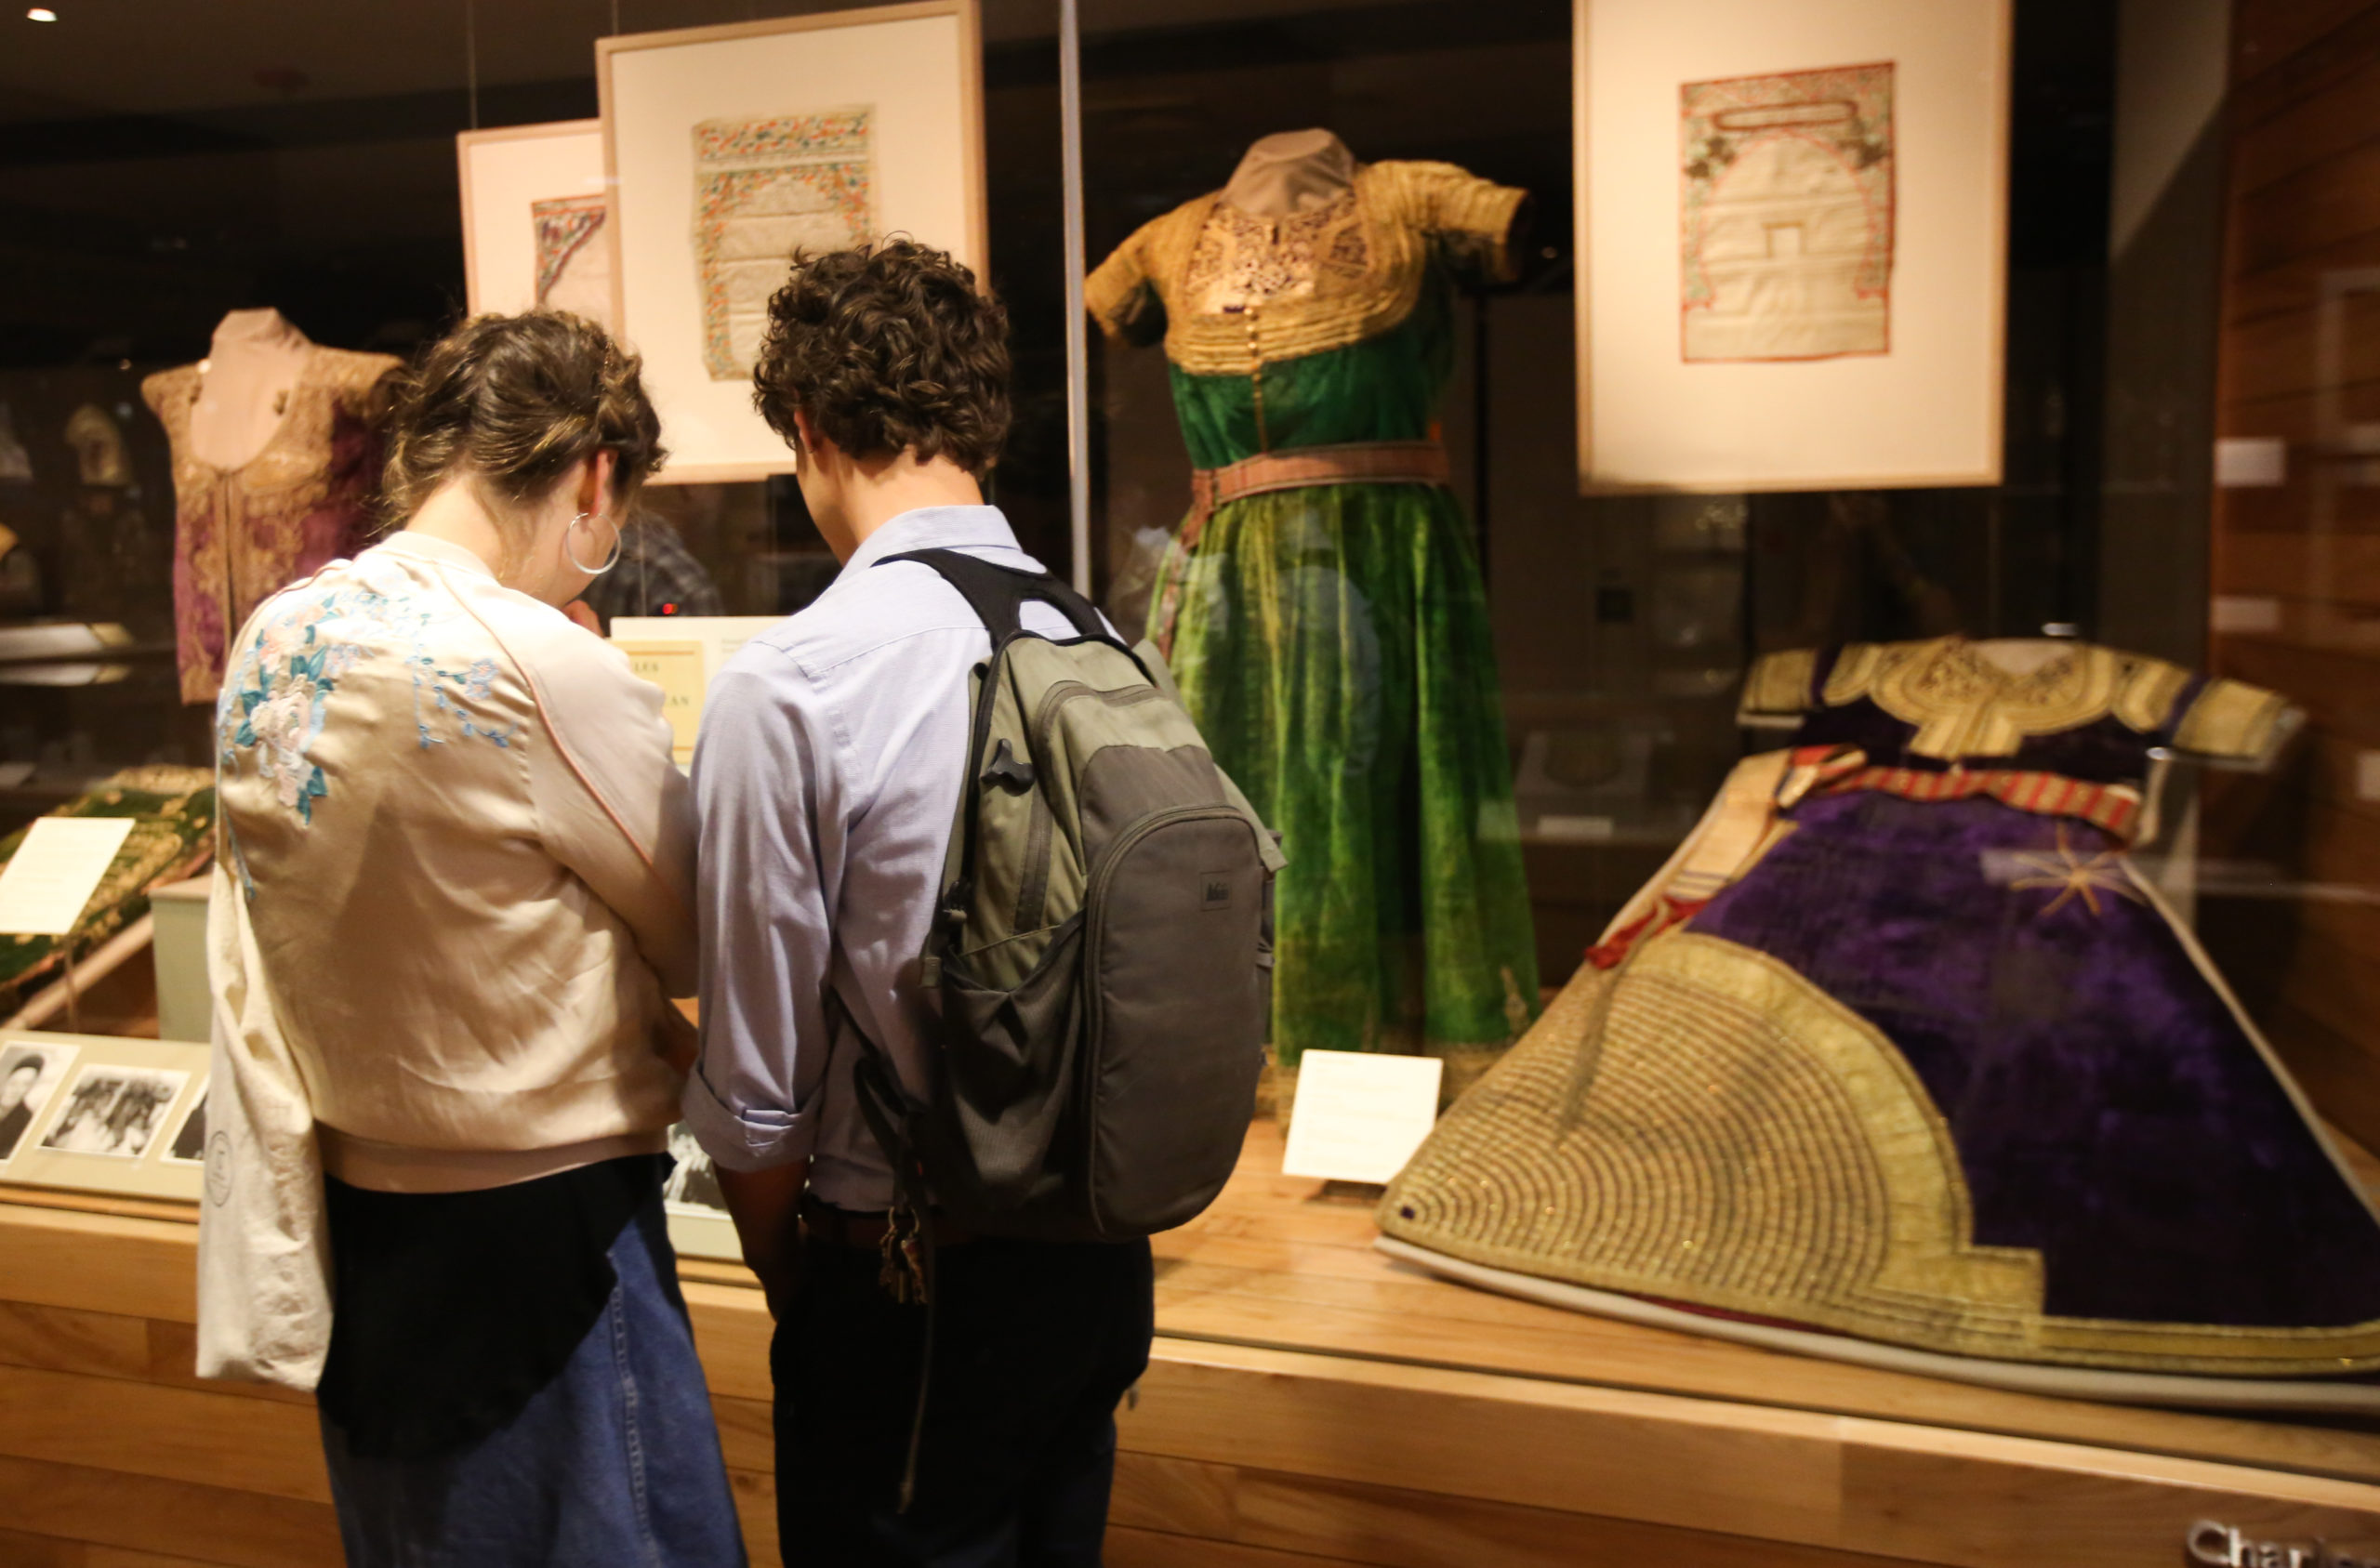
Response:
column 614, row 1464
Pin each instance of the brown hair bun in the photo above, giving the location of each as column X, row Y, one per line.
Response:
column 518, row 401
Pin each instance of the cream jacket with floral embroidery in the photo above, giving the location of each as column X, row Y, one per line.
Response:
column 454, row 891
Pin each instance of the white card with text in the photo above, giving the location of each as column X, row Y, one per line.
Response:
column 1359, row 1116
column 55, row 871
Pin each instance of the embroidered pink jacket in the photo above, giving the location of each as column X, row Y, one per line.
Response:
column 454, row 889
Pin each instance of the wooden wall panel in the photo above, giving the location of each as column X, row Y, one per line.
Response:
column 168, row 1433
column 2273, row 356
column 2305, row 220
column 2269, row 34
column 20, row 1550
column 111, row 1507
column 2310, row 120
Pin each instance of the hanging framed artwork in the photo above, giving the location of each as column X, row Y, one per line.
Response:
column 729, row 147
column 1792, row 243
column 534, row 220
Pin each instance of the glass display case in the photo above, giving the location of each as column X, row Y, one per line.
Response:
column 1870, row 790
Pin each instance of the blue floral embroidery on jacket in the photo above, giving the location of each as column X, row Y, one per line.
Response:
column 273, row 706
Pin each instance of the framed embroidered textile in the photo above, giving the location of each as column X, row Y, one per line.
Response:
column 1785, row 216
column 729, row 147
column 1791, row 233
column 765, row 189
column 534, row 218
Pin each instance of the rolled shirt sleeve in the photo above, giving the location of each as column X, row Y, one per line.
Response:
column 762, row 891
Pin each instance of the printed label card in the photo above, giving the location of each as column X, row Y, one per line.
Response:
column 1361, row 1115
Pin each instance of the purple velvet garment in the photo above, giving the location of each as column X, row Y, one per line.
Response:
column 2108, row 1109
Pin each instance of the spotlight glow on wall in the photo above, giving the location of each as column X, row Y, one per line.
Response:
column 41, row 13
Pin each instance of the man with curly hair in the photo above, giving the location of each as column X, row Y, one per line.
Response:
column 827, row 775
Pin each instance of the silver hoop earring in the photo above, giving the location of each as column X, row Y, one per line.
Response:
column 571, row 550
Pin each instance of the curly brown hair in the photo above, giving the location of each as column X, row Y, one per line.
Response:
column 888, row 347
column 517, row 401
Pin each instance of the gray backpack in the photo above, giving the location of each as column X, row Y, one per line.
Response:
column 1101, row 955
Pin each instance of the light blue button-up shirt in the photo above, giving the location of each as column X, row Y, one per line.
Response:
column 825, row 775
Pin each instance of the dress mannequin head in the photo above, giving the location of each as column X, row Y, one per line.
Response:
column 1291, row 172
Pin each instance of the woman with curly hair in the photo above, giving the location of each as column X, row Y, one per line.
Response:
column 455, row 898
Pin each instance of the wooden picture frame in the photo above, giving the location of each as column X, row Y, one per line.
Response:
column 509, row 178
column 1792, row 243
column 726, row 147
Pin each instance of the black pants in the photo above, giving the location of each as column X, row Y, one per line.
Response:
column 1035, row 1344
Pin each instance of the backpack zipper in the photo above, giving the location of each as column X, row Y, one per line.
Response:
column 1033, row 887
column 1045, row 716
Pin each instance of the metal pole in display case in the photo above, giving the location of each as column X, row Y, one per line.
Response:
column 1078, row 342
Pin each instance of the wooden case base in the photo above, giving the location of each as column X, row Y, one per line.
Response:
column 1311, row 1403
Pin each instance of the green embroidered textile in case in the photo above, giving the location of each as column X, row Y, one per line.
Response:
column 173, row 812
column 1332, row 644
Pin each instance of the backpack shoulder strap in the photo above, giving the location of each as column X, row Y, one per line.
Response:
column 998, row 594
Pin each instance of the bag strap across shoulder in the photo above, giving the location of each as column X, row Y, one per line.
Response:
column 998, row 594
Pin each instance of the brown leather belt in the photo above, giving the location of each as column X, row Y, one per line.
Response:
column 1302, row 467
column 843, row 1227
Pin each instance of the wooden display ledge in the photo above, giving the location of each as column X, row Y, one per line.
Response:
column 1310, row 1403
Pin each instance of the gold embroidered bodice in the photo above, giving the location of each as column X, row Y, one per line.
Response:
column 242, row 533
column 293, row 456
column 1242, row 260
column 1965, row 705
column 1230, row 291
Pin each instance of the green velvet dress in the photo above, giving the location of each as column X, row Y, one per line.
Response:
column 1332, row 642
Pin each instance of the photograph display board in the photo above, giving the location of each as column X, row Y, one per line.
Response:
column 699, row 1223
column 30, row 1073
column 1792, row 238
column 111, row 1114
column 536, row 220
column 728, row 148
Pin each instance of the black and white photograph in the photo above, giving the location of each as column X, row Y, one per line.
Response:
column 115, row 1111
column 28, row 1075
column 693, row 1187
column 188, row 1147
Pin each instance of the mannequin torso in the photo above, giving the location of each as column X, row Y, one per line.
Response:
column 275, row 467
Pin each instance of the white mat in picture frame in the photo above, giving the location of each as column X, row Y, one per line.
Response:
column 728, row 147
column 534, row 220
column 1792, row 238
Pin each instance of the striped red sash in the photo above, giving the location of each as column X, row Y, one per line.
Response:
column 2115, row 808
